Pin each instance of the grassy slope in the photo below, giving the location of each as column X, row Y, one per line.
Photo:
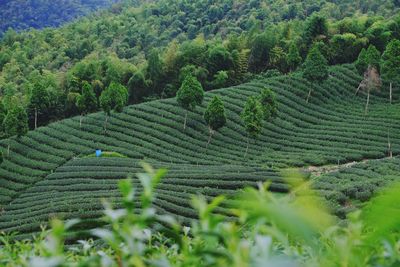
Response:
column 331, row 128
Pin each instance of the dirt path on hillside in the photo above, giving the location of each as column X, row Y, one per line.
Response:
column 321, row 170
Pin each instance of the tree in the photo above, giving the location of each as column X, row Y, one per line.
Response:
column 137, row 86
column 371, row 81
column 219, row 59
column 268, row 103
column 315, row 68
column 316, row 28
column 3, row 114
column 86, row 102
column 391, row 64
column 189, row 95
column 362, row 61
column 373, row 57
column 155, row 70
column 260, row 52
column 293, row 57
column 253, row 117
column 278, row 58
column 16, row 123
column 39, row 102
column 215, row 116
column 114, row 98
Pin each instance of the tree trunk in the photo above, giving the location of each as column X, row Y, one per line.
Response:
column 309, row 95
column 184, row 124
column 366, row 106
column 358, row 88
column 210, row 136
column 8, row 150
column 80, row 121
column 35, row 118
column 391, row 91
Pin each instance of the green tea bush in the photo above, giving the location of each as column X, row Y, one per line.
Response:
column 262, row 230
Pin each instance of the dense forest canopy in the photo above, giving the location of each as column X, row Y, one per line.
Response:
column 150, row 48
column 25, row 14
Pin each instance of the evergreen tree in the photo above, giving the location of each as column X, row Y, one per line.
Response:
column 316, row 28
column 268, row 103
column 39, row 103
column 391, row 64
column 87, row 101
column 215, row 116
column 253, row 117
column 373, row 57
column 362, row 61
column 293, row 57
column 315, row 68
column 190, row 95
column 114, row 98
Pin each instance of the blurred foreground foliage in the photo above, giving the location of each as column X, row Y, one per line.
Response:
column 264, row 230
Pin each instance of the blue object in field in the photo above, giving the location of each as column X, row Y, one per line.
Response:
column 98, row 153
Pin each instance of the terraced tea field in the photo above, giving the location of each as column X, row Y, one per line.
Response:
column 346, row 188
column 49, row 163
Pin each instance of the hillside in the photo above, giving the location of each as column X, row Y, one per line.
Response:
column 150, row 47
column 21, row 15
column 49, row 162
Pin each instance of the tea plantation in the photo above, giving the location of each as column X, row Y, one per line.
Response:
column 47, row 172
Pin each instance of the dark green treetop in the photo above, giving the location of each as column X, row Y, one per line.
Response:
column 215, row 115
column 268, row 102
column 16, row 122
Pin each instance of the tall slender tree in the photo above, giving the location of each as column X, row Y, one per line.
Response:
column 391, row 65
column 39, row 102
column 114, row 98
column 371, row 82
column 253, row 117
column 190, row 95
column 315, row 69
column 215, row 116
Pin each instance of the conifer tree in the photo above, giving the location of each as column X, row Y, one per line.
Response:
column 215, row 116
column 190, row 95
column 315, row 69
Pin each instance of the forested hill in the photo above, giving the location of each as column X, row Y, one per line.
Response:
column 24, row 14
column 150, row 46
